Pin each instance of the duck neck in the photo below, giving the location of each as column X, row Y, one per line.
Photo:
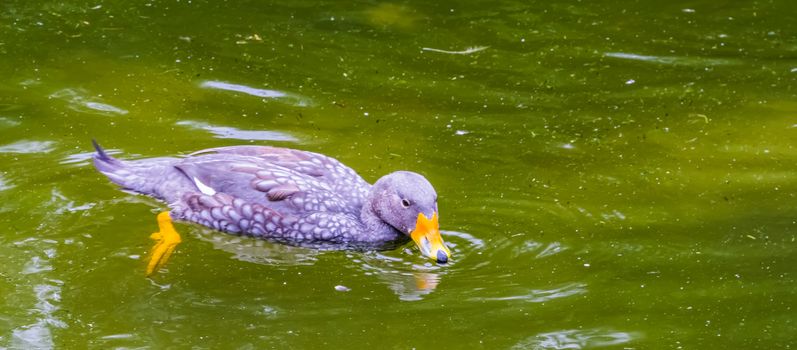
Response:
column 374, row 226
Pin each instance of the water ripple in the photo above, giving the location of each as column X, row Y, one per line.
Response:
column 294, row 99
column 63, row 204
column 47, row 294
column 36, row 265
column 7, row 107
column 84, row 158
column 28, row 147
column 551, row 249
column 8, row 122
column 674, row 60
column 80, row 103
column 530, row 247
column 576, row 339
column 4, row 184
column 78, row 159
column 542, row 295
column 226, row 132
column 118, row 336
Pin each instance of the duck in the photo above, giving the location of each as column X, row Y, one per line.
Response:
column 285, row 195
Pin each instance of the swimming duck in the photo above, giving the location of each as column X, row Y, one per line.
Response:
column 292, row 196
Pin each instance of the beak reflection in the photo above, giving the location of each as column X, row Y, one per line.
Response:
column 427, row 236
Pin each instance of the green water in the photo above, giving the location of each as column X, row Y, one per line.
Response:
column 610, row 174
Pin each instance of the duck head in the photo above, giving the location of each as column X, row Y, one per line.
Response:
column 407, row 202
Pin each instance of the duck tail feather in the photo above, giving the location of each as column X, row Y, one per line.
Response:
column 110, row 166
column 101, row 154
column 143, row 176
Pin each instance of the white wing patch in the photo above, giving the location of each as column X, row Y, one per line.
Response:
column 204, row 188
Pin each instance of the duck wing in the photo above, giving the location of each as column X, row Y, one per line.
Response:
column 337, row 176
column 258, row 181
column 248, row 194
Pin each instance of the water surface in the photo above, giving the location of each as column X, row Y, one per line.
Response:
column 610, row 174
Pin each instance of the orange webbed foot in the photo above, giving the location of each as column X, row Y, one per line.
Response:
column 166, row 239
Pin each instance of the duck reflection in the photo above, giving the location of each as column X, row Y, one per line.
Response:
column 409, row 281
column 399, row 269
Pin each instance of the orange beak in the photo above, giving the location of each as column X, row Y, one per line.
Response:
column 427, row 236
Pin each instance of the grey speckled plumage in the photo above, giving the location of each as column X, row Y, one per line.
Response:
column 279, row 193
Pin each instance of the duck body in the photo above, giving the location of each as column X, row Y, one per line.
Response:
column 287, row 195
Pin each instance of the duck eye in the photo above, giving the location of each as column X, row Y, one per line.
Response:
column 405, row 203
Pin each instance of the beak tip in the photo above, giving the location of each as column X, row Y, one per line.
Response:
column 442, row 258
